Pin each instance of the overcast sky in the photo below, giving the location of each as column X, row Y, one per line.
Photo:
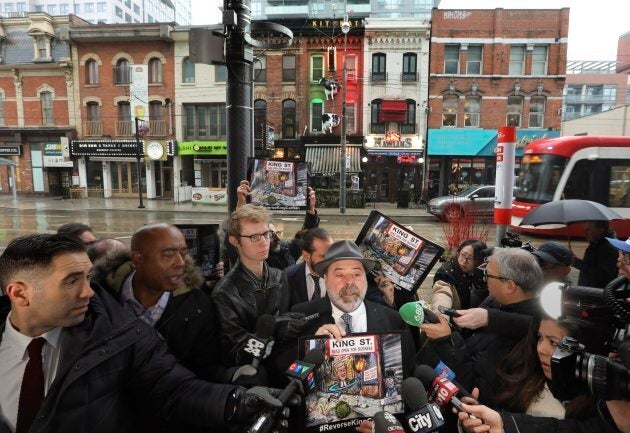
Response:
column 594, row 26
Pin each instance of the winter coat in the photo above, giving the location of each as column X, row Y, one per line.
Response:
column 112, row 363
column 599, row 265
column 455, row 289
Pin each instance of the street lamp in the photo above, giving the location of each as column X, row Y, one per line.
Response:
column 141, row 130
column 345, row 28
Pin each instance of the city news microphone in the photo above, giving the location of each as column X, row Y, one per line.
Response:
column 442, row 390
column 424, row 417
column 301, row 376
column 385, row 422
column 258, row 346
column 415, row 314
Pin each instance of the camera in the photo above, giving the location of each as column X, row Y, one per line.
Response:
column 513, row 240
column 606, row 314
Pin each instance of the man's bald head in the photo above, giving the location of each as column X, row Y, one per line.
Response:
column 144, row 236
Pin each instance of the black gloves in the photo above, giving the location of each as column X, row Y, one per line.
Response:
column 246, row 406
column 289, row 326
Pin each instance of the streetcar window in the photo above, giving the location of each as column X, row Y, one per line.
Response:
column 538, row 178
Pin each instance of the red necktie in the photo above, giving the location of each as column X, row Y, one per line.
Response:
column 32, row 391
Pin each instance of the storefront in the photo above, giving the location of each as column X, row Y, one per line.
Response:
column 204, row 170
column 459, row 157
column 59, row 168
column 324, row 164
column 7, row 166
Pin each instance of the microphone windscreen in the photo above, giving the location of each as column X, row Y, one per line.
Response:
column 412, row 313
column 315, row 356
column 385, row 422
column 426, row 374
column 265, row 326
column 413, row 393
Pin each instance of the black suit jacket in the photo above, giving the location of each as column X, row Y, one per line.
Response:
column 296, row 277
column 379, row 319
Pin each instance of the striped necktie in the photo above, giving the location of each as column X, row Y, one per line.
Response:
column 317, row 293
column 347, row 319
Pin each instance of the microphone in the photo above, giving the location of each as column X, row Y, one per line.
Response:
column 424, row 417
column 258, row 346
column 443, row 391
column 385, row 422
column 301, row 376
column 415, row 314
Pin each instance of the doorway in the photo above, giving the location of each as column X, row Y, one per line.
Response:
column 125, row 179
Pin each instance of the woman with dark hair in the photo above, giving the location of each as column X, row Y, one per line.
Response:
column 524, row 374
column 458, row 284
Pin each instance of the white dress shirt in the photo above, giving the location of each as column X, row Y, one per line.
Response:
column 359, row 318
column 310, row 284
column 13, row 359
column 149, row 315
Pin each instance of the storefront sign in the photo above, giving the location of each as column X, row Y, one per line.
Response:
column 324, row 24
column 393, row 137
column 11, row 150
column 53, row 156
column 406, row 159
column 202, row 148
column 393, row 140
column 209, row 195
column 110, row 148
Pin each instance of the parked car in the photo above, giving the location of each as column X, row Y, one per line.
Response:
column 477, row 200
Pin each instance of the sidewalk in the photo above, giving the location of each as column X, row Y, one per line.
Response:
column 159, row 205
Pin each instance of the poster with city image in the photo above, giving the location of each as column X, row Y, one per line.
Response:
column 400, row 254
column 361, row 375
column 203, row 246
column 278, row 184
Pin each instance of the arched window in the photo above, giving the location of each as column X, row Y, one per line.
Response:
column 288, row 118
column 155, row 70
column 472, row 108
column 449, row 110
column 514, row 111
column 188, row 71
column 260, row 118
column 122, row 72
column 91, row 72
column 93, row 112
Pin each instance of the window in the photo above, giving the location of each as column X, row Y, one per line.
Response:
column 260, row 69
column 155, row 70
column 350, row 119
column 122, row 72
column 376, row 126
column 47, row 108
column 317, row 68
column 1, row 108
column 220, row 73
column 128, row 18
column 128, row 3
column 539, row 60
column 517, row 60
column 91, row 72
column 93, row 112
column 409, row 125
column 379, row 67
column 473, row 64
column 205, row 121
column 515, row 108
column 21, row 7
column 317, row 109
column 119, row 12
column 88, row 7
column 52, row 9
column 288, row 118
column 39, row 8
column 42, row 47
column 188, row 71
column 260, row 119
column 409, row 72
column 472, row 108
column 451, row 59
column 124, row 111
column 77, row 9
column 8, row 8
column 64, row 9
column 449, row 110
column 37, row 164
column 136, row 9
column 288, row 68
column 101, row 7
column 156, row 110
column 536, row 112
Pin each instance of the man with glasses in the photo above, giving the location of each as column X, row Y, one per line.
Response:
column 251, row 288
column 514, row 279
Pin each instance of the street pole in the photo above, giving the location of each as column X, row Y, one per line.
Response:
column 139, row 158
column 345, row 28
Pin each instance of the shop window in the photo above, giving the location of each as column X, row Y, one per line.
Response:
column 449, row 110
column 37, row 165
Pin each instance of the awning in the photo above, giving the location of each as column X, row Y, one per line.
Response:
column 325, row 159
column 393, row 110
column 459, row 141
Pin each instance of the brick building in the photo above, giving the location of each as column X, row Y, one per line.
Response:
column 491, row 68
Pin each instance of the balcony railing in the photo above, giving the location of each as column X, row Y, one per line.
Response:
column 407, row 128
column 157, row 128
column 93, row 128
column 377, row 128
column 124, row 128
column 378, row 76
column 407, row 77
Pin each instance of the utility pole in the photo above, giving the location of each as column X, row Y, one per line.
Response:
column 345, row 28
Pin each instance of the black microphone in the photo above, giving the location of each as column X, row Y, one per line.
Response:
column 443, row 391
column 424, row 417
column 301, row 376
column 385, row 422
column 258, row 346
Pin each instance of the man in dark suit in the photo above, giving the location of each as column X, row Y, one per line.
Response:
column 304, row 283
column 345, row 309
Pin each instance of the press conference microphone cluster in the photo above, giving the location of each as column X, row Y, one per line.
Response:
column 442, row 390
column 258, row 346
column 424, row 417
column 301, row 376
column 415, row 314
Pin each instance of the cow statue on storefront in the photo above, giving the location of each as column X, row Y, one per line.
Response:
column 330, row 87
column 330, row 121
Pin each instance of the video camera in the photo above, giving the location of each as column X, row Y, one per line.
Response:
column 606, row 313
column 513, row 240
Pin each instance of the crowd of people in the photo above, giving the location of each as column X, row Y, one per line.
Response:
column 99, row 336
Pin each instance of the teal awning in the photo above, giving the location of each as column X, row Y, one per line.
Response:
column 4, row 161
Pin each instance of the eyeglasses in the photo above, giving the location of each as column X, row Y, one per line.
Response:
column 258, row 236
column 466, row 258
column 486, row 275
